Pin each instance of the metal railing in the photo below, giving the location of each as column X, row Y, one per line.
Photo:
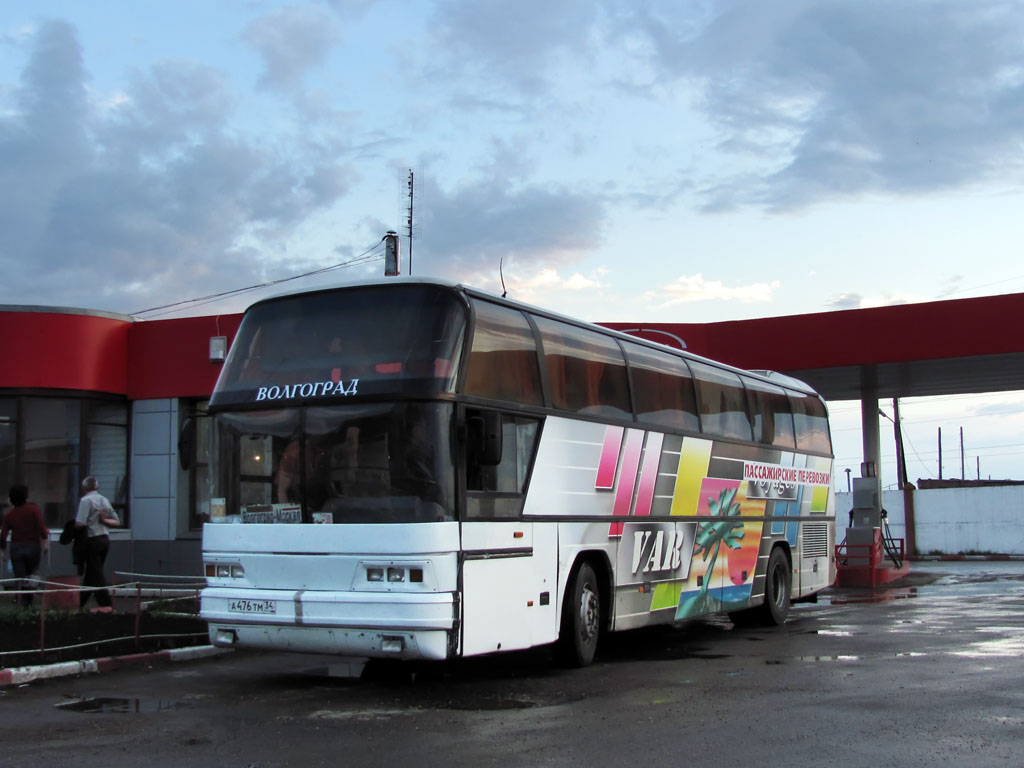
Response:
column 870, row 555
column 143, row 592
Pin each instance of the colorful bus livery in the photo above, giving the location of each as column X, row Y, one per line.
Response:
column 413, row 469
column 688, row 519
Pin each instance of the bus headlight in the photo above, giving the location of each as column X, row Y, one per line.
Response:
column 391, row 575
column 224, row 571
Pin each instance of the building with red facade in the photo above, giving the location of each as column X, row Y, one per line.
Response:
column 93, row 393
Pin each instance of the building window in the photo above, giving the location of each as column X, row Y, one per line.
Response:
column 8, row 443
column 51, row 435
column 51, row 443
column 107, row 452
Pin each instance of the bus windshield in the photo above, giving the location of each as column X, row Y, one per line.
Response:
column 328, row 347
column 368, row 463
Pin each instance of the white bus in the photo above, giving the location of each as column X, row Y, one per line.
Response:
column 418, row 470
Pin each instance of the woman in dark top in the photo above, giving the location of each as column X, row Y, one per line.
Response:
column 29, row 536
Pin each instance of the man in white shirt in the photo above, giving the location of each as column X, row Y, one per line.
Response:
column 97, row 516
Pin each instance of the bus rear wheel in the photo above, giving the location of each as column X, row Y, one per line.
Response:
column 581, row 618
column 777, row 586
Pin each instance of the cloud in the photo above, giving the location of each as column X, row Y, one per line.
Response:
column 578, row 282
column 809, row 102
column 846, row 301
column 291, row 41
column 858, row 301
column 693, row 288
column 545, row 287
column 834, row 100
column 473, row 227
column 127, row 205
column 43, row 140
column 952, row 285
column 518, row 43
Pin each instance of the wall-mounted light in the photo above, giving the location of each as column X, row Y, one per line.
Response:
column 218, row 348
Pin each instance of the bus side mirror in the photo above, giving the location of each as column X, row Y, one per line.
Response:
column 485, row 438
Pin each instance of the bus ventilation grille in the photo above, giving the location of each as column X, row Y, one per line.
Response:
column 815, row 540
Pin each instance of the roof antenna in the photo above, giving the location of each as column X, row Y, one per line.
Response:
column 504, row 292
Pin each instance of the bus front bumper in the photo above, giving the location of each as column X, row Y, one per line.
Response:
column 372, row 624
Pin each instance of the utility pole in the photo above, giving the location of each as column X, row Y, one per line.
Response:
column 962, row 475
column 901, row 456
column 977, row 460
column 848, row 487
column 392, row 255
column 411, row 191
column 940, row 453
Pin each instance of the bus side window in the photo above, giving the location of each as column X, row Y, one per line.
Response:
column 811, row 422
column 771, row 414
column 498, row 491
column 723, row 402
column 503, row 357
column 586, row 371
column 662, row 389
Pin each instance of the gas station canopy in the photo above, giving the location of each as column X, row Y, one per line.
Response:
column 908, row 350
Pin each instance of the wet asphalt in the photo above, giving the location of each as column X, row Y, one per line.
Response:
column 927, row 671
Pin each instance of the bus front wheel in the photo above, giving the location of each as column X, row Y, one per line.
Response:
column 777, row 586
column 581, row 618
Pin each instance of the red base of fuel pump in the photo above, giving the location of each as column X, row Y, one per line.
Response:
column 867, row 559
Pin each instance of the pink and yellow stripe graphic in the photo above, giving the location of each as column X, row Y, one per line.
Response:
column 630, row 459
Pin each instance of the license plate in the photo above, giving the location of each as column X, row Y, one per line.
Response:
column 252, row 606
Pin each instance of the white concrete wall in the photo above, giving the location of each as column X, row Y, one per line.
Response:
column 954, row 520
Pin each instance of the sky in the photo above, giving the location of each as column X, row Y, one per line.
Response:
column 617, row 160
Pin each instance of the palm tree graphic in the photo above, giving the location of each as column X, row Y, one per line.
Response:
column 727, row 529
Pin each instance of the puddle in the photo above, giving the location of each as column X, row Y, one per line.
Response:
column 710, row 656
column 117, row 706
column 878, row 596
column 1010, row 647
column 468, row 704
column 364, row 715
column 494, row 705
column 810, row 659
column 828, row 632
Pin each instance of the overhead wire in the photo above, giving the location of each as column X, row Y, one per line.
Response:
column 365, row 257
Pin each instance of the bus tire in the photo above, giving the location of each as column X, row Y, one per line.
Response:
column 778, row 583
column 581, row 618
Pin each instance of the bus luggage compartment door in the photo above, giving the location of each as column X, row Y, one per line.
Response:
column 500, row 602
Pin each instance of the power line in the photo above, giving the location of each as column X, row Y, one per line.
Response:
column 363, row 258
column 977, row 287
column 981, row 450
column 928, row 400
column 944, row 420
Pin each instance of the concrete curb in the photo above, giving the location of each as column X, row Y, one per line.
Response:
column 22, row 675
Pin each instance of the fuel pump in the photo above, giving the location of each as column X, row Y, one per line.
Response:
column 868, row 537
column 864, row 534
